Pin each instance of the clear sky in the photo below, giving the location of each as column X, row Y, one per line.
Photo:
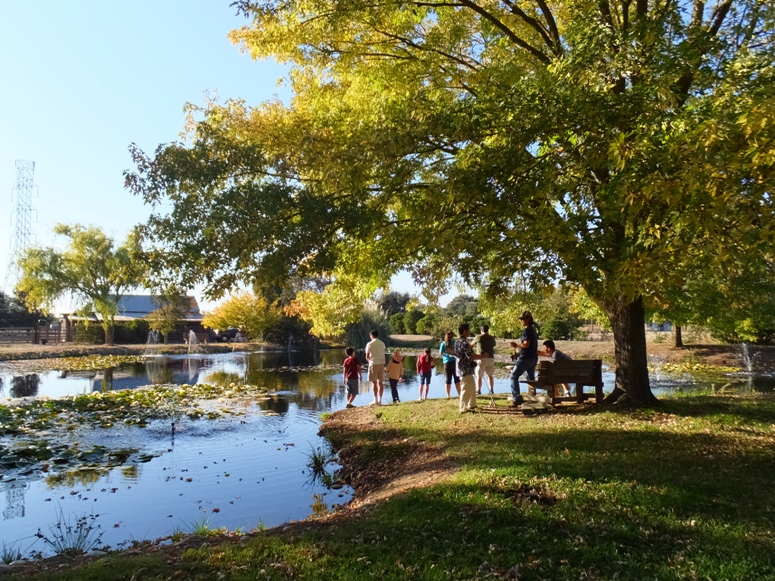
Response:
column 82, row 80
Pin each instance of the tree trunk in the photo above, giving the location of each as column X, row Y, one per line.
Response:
column 109, row 334
column 679, row 340
column 628, row 320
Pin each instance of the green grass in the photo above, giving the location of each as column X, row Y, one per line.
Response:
column 682, row 491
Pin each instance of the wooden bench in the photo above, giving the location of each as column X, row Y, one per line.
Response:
column 581, row 372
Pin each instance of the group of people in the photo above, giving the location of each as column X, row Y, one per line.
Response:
column 375, row 355
column 466, row 364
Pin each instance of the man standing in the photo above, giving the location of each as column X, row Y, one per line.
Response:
column 375, row 355
column 528, row 356
column 485, row 346
column 465, row 369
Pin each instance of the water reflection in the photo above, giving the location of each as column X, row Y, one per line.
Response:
column 25, row 385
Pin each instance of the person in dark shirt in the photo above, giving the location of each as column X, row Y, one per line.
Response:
column 485, row 346
column 555, row 354
column 352, row 375
column 528, row 356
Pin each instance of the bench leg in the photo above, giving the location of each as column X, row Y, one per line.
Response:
column 580, row 393
column 599, row 393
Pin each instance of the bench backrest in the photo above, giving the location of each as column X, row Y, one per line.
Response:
column 579, row 371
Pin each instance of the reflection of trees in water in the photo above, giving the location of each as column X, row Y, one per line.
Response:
column 25, row 385
column 158, row 371
column 271, row 380
column 276, row 404
column 130, row 472
column 223, row 378
column 73, row 477
column 315, row 383
column 107, row 379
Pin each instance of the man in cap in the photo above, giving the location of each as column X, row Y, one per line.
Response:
column 528, row 356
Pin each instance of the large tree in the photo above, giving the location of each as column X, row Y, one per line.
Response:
column 92, row 269
column 595, row 141
column 14, row 314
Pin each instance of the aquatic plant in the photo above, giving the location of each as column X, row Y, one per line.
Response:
column 10, row 552
column 317, row 460
column 201, row 526
column 72, row 535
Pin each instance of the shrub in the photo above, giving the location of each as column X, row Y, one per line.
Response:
column 397, row 323
column 357, row 334
column 410, row 320
column 427, row 325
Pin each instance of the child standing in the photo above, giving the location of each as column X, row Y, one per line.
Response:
column 395, row 371
column 352, row 375
column 425, row 366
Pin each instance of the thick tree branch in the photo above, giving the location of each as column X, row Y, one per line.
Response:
column 718, row 16
column 510, row 34
column 534, row 24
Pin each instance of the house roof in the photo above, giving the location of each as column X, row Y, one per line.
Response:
column 132, row 307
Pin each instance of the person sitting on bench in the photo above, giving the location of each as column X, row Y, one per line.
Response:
column 554, row 354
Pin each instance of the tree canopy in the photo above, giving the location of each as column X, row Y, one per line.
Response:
column 13, row 313
column 248, row 312
column 599, row 143
column 92, row 269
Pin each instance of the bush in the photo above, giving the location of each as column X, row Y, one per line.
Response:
column 427, row 325
column 131, row 332
column 397, row 323
column 357, row 334
column 92, row 333
column 566, row 328
column 410, row 320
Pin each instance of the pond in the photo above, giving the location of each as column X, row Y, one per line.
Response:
column 240, row 470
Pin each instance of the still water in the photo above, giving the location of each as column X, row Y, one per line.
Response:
column 238, row 472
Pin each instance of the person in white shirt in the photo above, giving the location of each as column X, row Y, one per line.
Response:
column 375, row 355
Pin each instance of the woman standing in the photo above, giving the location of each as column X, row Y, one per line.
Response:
column 447, row 350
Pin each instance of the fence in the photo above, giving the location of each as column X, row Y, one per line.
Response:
column 17, row 334
column 42, row 335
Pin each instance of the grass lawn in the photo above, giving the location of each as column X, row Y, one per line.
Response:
column 683, row 491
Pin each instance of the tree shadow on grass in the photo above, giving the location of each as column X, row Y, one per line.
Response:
column 754, row 407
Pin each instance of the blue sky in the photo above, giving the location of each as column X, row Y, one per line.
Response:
column 82, row 80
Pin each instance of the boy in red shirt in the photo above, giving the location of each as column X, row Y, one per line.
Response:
column 425, row 366
column 352, row 375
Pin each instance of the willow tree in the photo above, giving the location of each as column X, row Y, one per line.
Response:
column 587, row 141
column 92, row 269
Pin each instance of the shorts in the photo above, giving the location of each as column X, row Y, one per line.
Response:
column 425, row 377
column 376, row 372
column 486, row 366
column 450, row 367
column 352, row 386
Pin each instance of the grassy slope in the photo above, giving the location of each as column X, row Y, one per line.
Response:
column 681, row 492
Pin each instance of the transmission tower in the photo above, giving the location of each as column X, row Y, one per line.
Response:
column 21, row 220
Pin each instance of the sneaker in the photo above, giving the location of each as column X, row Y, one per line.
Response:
column 518, row 401
column 349, row 405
